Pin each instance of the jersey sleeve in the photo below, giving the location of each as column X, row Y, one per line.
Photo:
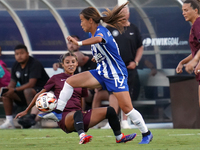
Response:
column 197, row 31
column 50, row 84
column 101, row 32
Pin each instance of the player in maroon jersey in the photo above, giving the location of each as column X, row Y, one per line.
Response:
column 191, row 12
column 73, row 118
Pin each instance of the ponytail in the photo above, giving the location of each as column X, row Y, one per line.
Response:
column 114, row 18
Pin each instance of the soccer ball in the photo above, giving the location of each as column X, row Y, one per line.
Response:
column 46, row 102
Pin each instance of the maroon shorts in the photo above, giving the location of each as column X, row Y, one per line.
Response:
column 86, row 120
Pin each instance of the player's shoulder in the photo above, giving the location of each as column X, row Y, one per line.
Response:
column 101, row 28
column 197, row 22
column 61, row 75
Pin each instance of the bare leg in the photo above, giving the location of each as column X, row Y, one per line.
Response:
column 35, row 111
column 125, row 104
column 98, row 114
column 124, row 101
column 29, row 94
column 29, row 120
column 114, row 103
column 98, row 97
column 69, row 121
column 87, row 100
column 8, row 105
column 124, row 117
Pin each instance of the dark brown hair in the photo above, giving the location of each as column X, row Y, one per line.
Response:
column 195, row 4
column 113, row 18
column 62, row 57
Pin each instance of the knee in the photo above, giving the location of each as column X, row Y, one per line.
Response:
column 5, row 99
column 28, row 91
column 68, row 80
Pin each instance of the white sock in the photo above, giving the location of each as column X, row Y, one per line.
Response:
column 137, row 119
column 118, row 137
column 81, row 135
column 9, row 118
column 64, row 96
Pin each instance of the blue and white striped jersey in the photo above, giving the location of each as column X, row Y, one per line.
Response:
column 107, row 55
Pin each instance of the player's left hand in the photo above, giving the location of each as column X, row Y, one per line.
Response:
column 21, row 114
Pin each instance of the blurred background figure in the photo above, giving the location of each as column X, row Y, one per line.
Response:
column 4, row 73
column 70, row 47
column 31, row 76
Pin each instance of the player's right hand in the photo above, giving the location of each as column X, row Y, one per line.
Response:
column 21, row 114
column 179, row 68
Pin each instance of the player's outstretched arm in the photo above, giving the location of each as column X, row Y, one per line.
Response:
column 92, row 40
column 179, row 68
column 23, row 113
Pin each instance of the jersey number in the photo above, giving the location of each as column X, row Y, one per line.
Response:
column 119, row 83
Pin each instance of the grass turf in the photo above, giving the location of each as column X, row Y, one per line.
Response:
column 56, row 139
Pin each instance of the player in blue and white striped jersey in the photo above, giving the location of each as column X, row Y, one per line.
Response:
column 107, row 52
column 110, row 74
column 109, row 63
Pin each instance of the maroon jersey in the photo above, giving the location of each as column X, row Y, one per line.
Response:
column 56, row 83
column 194, row 40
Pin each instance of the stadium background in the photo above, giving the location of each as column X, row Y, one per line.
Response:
column 42, row 25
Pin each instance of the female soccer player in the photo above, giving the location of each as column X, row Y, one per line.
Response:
column 110, row 74
column 191, row 12
column 73, row 119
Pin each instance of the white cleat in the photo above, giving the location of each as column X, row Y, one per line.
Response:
column 51, row 116
column 107, row 126
column 7, row 125
column 125, row 125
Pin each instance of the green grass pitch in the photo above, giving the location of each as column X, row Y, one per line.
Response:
column 56, row 139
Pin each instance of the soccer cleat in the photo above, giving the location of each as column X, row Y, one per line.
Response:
column 7, row 125
column 51, row 116
column 126, row 138
column 85, row 139
column 147, row 139
column 107, row 126
column 125, row 125
column 27, row 121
